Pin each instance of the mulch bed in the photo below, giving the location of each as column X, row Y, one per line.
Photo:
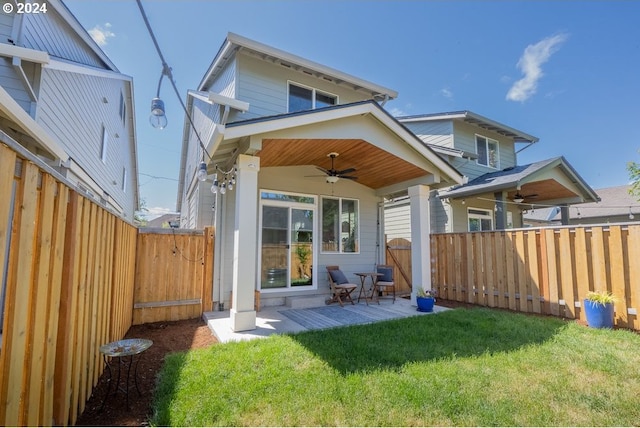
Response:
column 167, row 337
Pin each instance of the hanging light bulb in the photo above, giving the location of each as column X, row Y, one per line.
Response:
column 157, row 118
column 230, row 186
column 215, row 186
column 202, row 171
column 631, row 216
column 223, row 188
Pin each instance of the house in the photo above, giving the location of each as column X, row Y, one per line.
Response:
column 300, row 158
column 63, row 100
column 165, row 221
column 497, row 190
column 616, row 205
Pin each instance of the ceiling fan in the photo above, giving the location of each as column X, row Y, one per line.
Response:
column 518, row 198
column 332, row 174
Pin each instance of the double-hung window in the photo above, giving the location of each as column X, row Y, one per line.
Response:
column 306, row 98
column 487, row 150
column 340, row 225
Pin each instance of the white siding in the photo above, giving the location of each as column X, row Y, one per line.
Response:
column 397, row 220
column 73, row 110
column 48, row 32
column 6, row 26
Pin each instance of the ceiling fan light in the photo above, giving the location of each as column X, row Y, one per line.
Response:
column 332, row 179
column 518, row 198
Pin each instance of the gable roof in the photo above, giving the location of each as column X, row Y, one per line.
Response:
column 614, row 201
column 475, row 119
column 235, row 43
column 515, row 177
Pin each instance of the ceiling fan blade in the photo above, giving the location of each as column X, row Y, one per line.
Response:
column 349, row 177
column 326, row 171
column 345, row 171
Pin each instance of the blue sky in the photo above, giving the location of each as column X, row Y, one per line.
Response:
column 567, row 72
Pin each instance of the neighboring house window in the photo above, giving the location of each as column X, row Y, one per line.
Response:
column 340, row 225
column 123, row 108
column 480, row 220
column 487, row 150
column 124, row 179
column 305, row 98
column 105, row 143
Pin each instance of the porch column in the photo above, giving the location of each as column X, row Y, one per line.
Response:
column 501, row 210
column 420, row 235
column 245, row 244
column 564, row 214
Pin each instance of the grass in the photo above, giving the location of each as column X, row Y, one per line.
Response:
column 461, row 367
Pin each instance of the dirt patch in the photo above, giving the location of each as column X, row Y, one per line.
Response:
column 167, row 337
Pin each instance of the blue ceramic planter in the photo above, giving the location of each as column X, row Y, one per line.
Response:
column 425, row 304
column 598, row 316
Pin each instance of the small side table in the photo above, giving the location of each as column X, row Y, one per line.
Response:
column 124, row 351
column 374, row 280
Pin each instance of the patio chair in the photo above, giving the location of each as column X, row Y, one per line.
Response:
column 386, row 280
column 341, row 288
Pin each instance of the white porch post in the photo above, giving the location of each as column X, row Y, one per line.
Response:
column 420, row 235
column 245, row 242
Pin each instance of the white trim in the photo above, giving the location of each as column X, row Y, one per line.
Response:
column 25, row 54
column 235, row 40
column 488, row 215
column 358, row 224
column 29, row 126
column 105, row 144
column 316, row 245
column 488, row 141
column 61, row 65
column 314, row 92
column 261, row 127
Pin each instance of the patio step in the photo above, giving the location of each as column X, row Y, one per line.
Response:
column 302, row 302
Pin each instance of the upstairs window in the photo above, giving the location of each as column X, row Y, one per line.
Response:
column 487, row 150
column 304, row 98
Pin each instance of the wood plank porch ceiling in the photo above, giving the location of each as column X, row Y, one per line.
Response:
column 375, row 168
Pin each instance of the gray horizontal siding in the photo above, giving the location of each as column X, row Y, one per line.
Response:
column 11, row 83
column 72, row 110
column 437, row 132
column 6, row 26
column 48, row 32
column 465, row 139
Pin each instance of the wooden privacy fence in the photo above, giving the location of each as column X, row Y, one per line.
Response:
column 174, row 274
column 66, row 272
column 545, row 271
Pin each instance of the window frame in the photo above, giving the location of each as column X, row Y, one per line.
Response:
column 487, row 144
column 105, row 145
column 480, row 214
column 339, row 215
column 314, row 93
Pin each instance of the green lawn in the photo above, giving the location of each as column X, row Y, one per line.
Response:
column 460, row 367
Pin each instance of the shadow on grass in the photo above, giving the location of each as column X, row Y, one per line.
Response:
column 450, row 334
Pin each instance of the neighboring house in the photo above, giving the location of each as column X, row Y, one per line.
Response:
column 62, row 99
column 264, row 124
column 498, row 190
column 165, row 221
column 616, row 206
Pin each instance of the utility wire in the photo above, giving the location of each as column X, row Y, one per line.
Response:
column 166, row 71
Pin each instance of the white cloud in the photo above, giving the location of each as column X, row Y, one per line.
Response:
column 396, row 112
column 530, row 63
column 101, row 34
column 445, row 92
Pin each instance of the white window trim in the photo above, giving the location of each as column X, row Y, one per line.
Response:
column 289, row 204
column 124, row 179
column 488, row 139
column 313, row 90
column 105, row 145
column 487, row 216
column 321, row 216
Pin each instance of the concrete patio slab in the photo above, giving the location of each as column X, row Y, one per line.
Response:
column 272, row 320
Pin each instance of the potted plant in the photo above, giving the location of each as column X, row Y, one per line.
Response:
column 425, row 300
column 598, row 307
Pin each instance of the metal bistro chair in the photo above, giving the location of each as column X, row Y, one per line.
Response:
column 386, row 280
column 341, row 288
